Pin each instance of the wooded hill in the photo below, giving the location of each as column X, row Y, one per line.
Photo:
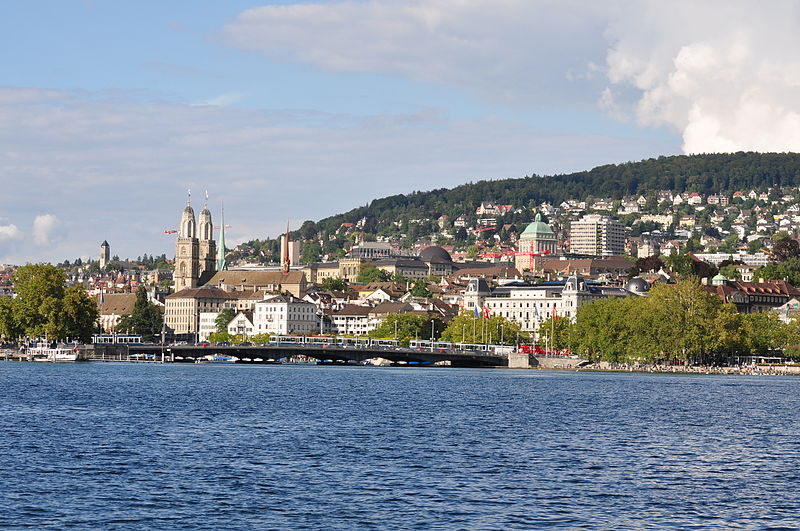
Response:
column 413, row 216
column 705, row 174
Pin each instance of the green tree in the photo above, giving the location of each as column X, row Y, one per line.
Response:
column 784, row 249
column 40, row 290
column 764, row 333
column 223, row 319
column 407, row 326
column 370, row 273
column 788, row 270
column 311, row 252
column 496, row 330
column 554, row 331
column 680, row 264
column 730, row 272
column 730, row 244
column 9, row 327
column 145, row 318
column 333, row 284
column 420, row 289
column 79, row 314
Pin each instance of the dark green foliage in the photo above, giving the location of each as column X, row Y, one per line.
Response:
column 333, row 284
column 420, row 289
column 784, row 249
column 223, row 320
column 43, row 307
column 145, row 319
column 370, row 273
column 701, row 173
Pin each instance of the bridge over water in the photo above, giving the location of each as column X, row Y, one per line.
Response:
column 323, row 353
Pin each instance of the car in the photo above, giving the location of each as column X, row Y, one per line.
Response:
column 245, row 344
column 204, row 344
column 223, row 344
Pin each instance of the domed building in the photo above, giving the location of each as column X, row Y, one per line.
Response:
column 438, row 261
column 539, row 240
column 637, row 286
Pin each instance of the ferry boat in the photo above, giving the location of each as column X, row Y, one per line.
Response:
column 52, row 353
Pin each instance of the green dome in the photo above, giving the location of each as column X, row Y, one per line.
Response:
column 537, row 228
column 719, row 279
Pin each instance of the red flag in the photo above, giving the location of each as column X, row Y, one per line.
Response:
column 555, row 317
column 486, row 311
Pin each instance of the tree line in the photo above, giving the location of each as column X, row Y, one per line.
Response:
column 682, row 323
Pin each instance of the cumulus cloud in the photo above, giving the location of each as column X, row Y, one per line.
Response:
column 44, row 226
column 9, row 232
column 723, row 74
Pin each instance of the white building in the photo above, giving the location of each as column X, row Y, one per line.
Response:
column 208, row 325
column 242, row 324
column 597, row 235
column 352, row 320
column 530, row 305
column 284, row 314
column 756, row 260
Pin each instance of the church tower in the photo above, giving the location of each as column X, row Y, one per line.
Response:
column 105, row 254
column 187, row 267
column 206, row 246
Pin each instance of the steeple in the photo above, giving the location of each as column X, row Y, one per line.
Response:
column 221, row 265
column 187, row 263
column 287, row 260
column 206, row 227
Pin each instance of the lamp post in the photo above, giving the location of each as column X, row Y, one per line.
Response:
column 432, row 329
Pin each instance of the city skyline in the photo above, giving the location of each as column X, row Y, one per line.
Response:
column 302, row 110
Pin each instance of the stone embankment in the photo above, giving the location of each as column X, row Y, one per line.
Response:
column 693, row 369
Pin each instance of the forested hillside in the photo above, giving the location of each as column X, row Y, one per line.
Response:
column 406, row 219
column 686, row 173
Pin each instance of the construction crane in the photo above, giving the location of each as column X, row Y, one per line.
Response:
column 497, row 254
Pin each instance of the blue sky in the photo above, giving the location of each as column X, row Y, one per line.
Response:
column 110, row 111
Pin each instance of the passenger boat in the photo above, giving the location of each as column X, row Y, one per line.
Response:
column 52, row 353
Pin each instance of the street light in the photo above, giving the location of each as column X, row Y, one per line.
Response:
column 432, row 323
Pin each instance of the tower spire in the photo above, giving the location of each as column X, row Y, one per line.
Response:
column 286, row 259
column 189, row 197
column 221, row 265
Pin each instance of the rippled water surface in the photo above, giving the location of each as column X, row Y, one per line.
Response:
column 118, row 446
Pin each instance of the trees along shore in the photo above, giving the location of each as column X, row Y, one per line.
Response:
column 681, row 322
column 43, row 307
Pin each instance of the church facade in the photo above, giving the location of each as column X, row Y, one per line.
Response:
column 195, row 250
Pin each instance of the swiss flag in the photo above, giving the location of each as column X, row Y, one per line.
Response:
column 486, row 311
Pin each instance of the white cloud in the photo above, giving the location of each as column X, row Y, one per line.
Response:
column 43, row 227
column 10, row 232
column 724, row 74
column 509, row 50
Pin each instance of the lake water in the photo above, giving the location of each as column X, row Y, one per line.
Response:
column 123, row 446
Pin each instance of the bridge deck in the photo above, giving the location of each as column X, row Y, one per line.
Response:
column 273, row 352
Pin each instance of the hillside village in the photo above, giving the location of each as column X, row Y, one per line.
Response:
column 520, row 263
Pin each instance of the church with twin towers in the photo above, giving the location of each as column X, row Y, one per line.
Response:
column 197, row 255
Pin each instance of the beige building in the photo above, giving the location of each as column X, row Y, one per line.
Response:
column 183, row 309
column 597, row 235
